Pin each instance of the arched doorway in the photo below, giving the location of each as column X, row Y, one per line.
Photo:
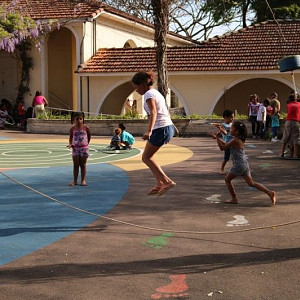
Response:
column 61, row 66
column 237, row 97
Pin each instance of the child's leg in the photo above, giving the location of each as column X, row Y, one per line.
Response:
column 282, row 150
column 223, row 167
column 226, row 158
column 295, row 150
column 228, row 179
column 75, row 170
column 257, row 132
column 82, row 162
column 252, row 183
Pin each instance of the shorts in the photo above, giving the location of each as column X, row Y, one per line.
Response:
column 78, row 151
column 291, row 132
column 161, row 136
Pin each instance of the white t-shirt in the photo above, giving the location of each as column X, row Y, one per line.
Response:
column 163, row 117
column 261, row 110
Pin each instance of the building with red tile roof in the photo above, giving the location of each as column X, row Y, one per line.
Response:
column 215, row 74
column 88, row 64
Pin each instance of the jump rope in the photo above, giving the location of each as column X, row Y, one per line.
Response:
column 142, row 226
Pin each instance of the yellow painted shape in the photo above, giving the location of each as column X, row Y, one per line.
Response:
column 166, row 155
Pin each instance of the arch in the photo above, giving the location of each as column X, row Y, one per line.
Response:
column 237, row 92
column 113, row 100
column 62, row 62
column 129, row 44
column 115, row 97
column 181, row 99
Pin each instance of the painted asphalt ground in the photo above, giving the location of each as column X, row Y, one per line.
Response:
column 109, row 260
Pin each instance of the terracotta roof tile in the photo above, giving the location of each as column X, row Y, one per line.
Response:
column 63, row 9
column 256, row 47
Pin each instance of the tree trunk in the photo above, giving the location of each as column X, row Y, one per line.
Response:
column 161, row 25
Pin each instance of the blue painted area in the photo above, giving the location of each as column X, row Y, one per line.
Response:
column 29, row 221
column 2, row 138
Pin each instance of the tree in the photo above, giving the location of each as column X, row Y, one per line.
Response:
column 287, row 9
column 190, row 18
column 161, row 25
column 261, row 10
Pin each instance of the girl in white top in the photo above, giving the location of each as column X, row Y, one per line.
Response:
column 160, row 129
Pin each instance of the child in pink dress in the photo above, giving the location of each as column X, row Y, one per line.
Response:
column 79, row 139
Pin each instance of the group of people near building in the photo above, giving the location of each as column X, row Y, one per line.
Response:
column 265, row 120
column 264, row 117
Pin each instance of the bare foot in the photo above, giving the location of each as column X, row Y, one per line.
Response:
column 72, row 183
column 231, row 202
column 83, row 183
column 273, row 197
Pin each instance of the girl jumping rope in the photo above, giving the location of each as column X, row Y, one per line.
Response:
column 240, row 164
column 160, row 129
column 79, row 139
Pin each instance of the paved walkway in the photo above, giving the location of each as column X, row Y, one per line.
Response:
column 188, row 244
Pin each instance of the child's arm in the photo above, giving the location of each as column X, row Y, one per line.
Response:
column 70, row 138
column 88, row 134
column 223, row 146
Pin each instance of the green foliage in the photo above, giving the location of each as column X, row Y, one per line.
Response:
column 57, row 116
column 15, row 28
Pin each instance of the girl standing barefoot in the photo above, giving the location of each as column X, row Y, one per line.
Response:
column 240, row 164
column 79, row 139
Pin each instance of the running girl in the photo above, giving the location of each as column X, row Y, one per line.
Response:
column 240, row 164
column 79, row 139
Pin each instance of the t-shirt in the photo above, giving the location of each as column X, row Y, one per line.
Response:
column 275, row 121
column 127, row 137
column 163, row 117
column 293, row 109
column 261, row 114
column 253, row 108
column 275, row 103
column 227, row 137
column 269, row 110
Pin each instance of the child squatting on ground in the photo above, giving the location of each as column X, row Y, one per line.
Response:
column 127, row 139
column 240, row 164
column 79, row 140
column 115, row 142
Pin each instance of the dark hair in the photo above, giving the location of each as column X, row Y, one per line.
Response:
column 292, row 98
column 241, row 128
column 227, row 113
column 143, row 77
column 38, row 93
column 267, row 101
column 118, row 131
column 75, row 114
column 122, row 126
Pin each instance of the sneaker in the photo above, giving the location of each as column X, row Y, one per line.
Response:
column 274, row 140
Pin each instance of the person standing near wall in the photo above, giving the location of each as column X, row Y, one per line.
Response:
column 38, row 103
column 253, row 107
column 291, row 127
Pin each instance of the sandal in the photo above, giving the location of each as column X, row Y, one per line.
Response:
column 154, row 190
column 165, row 188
